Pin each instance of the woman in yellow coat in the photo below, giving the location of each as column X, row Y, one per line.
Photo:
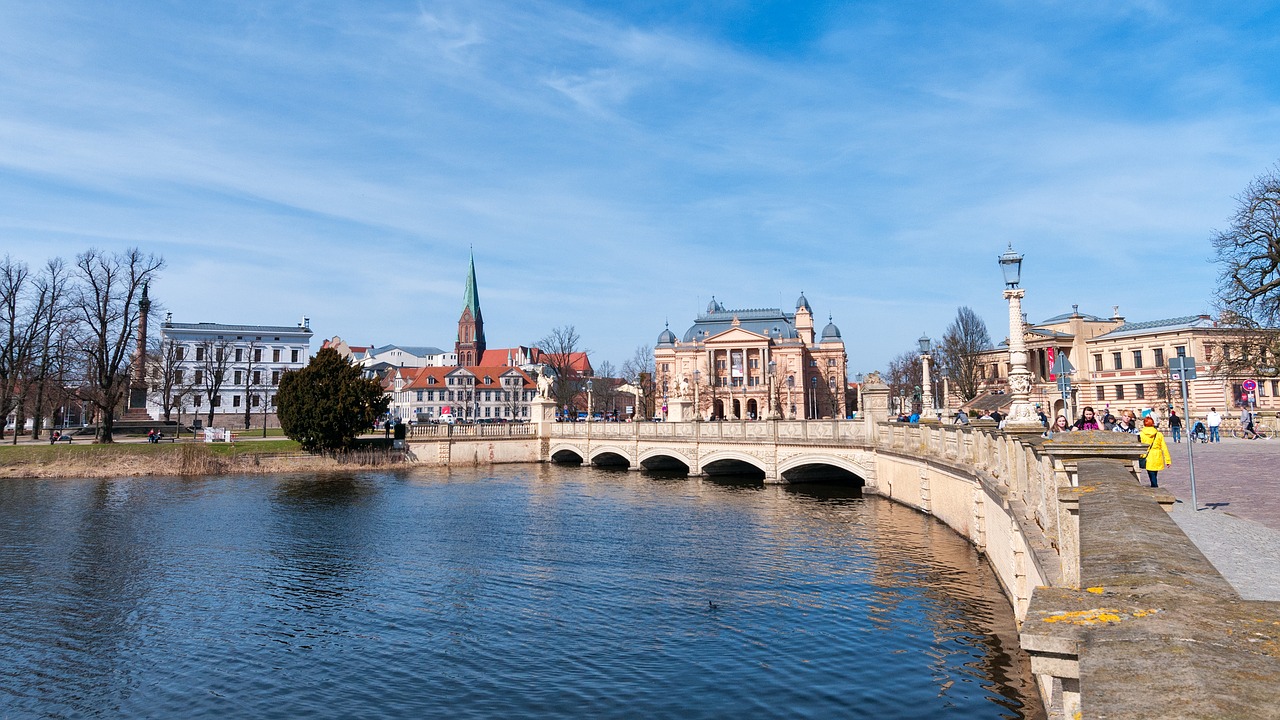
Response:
column 1157, row 455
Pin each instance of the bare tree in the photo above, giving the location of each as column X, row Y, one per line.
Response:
column 904, row 375
column 559, row 351
column 17, row 334
column 1248, row 293
column 106, row 303
column 212, row 362
column 959, row 356
column 638, row 371
column 170, row 379
column 54, row 327
column 252, row 364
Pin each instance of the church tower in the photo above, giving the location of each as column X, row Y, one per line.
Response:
column 470, row 343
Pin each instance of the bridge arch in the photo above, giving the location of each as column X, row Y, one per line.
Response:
column 567, row 454
column 664, row 460
column 822, row 468
column 609, row 456
column 732, row 462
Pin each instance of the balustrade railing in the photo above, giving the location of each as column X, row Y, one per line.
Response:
column 497, row 430
column 746, row 431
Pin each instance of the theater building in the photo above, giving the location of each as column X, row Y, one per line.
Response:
column 754, row 364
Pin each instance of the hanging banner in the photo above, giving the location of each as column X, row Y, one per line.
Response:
column 736, row 369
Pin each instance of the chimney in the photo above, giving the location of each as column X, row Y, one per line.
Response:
column 306, row 322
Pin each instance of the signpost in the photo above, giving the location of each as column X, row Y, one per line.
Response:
column 1063, row 370
column 1184, row 369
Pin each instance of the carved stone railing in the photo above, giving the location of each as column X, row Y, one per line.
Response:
column 838, row 432
column 495, row 430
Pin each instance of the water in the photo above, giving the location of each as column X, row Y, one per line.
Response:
column 530, row 592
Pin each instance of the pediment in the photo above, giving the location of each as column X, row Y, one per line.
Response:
column 735, row 336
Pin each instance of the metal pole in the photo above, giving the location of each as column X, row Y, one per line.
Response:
column 1186, row 419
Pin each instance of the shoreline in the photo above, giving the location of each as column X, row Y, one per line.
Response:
column 184, row 460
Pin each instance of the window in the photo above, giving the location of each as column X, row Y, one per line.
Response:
column 450, row 395
column 199, row 352
column 419, row 396
column 1180, row 350
column 1159, row 352
column 754, row 363
column 831, row 362
column 196, row 399
column 1162, row 390
column 235, row 401
column 217, row 401
column 218, row 376
column 177, row 376
column 199, row 377
column 275, row 377
column 1139, row 391
column 1117, row 359
column 275, row 355
column 239, row 354
column 1097, row 362
column 666, row 367
column 257, row 354
column 1137, row 359
column 720, row 364
column 1275, row 387
column 1119, row 392
column 257, row 377
column 255, row 400
column 237, row 376
column 293, row 354
column 179, row 352
column 1208, row 353
column 219, row 353
column 813, row 362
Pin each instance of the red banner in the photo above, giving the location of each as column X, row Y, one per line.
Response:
column 1048, row 354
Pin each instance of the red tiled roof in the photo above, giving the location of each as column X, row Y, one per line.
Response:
column 420, row 378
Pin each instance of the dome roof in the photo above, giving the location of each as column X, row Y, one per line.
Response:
column 830, row 332
column 714, row 307
column 803, row 302
column 666, row 337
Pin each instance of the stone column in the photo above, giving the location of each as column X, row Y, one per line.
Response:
column 927, row 397
column 1022, row 416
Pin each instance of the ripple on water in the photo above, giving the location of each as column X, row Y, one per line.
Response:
column 513, row 592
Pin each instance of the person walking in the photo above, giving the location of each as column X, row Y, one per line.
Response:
column 1156, row 458
column 1175, row 426
column 1246, row 422
column 1214, row 421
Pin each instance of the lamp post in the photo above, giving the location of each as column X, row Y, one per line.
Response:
column 664, row 398
column 925, row 346
column 1021, row 415
column 771, row 414
column 813, row 398
column 791, row 384
column 697, row 408
column 590, row 414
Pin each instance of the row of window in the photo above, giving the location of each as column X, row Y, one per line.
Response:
column 239, row 354
column 466, row 412
column 236, row 400
column 1139, row 392
column 1117, row 358
column 485, row 395
column 237, row 377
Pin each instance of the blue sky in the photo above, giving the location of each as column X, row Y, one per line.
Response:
column 614, row 165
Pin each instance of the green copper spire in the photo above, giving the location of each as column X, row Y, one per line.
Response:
column 470, row 296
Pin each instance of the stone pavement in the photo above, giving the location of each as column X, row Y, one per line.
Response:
column 1238, row 524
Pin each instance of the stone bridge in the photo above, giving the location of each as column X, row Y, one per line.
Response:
column 1121, row 614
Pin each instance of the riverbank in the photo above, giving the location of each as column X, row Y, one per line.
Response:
column 135, row 460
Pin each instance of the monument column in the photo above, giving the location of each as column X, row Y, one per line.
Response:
column 137, row 407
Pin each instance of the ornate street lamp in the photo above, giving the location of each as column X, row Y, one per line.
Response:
column 590, row 415
column 1022, row 416
column 926, row 345
column 791, row 384
column 697, row 408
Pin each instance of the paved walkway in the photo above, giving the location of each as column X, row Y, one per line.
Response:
column 1237, row 526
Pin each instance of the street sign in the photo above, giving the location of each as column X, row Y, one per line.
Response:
column 1249, row 386
column 1061, row 365
column 1184, row 365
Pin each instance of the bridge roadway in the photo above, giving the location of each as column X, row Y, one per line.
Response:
column 1121, row 614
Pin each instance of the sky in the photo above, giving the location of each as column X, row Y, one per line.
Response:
column 614, row 165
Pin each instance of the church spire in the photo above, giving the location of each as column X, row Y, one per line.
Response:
column 470, row 344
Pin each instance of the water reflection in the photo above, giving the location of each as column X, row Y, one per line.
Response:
column 526, row 592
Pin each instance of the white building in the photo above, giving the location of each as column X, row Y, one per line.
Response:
column 231, row 367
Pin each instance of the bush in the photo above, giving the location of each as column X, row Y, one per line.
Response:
column 325, row 405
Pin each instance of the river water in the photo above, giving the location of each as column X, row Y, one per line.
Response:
column 508, row 592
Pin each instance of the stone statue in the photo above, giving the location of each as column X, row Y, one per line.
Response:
column 544, row 384
column 682, row 390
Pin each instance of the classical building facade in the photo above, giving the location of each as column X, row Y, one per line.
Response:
column 228, row 367
column 1124, row 365
column 754, row 364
